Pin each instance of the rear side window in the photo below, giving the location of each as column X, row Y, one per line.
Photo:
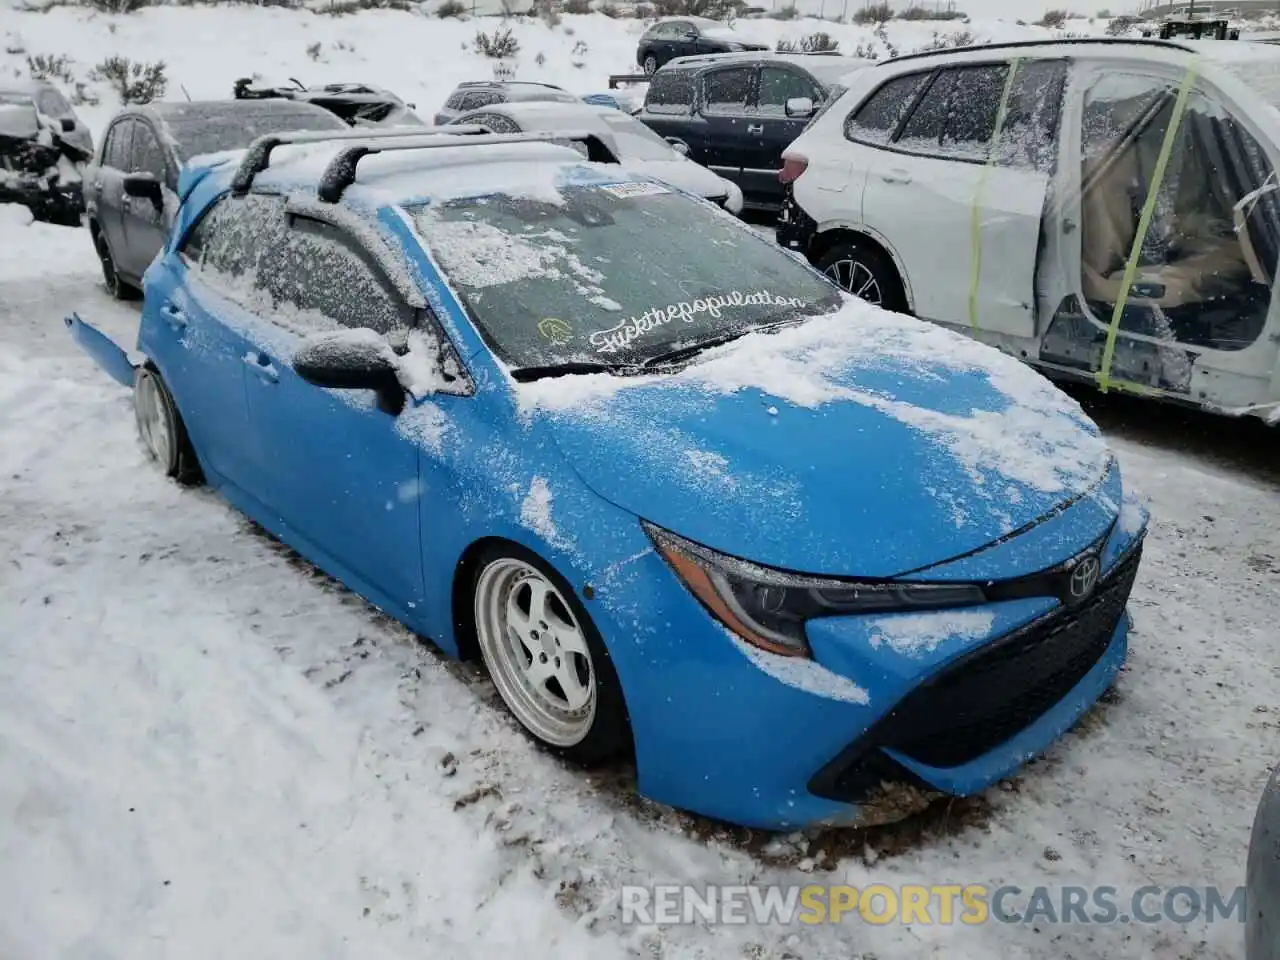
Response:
column 474, row 99
column 148, row 155
column 455, row 101
column 494, row 121
column 228, row 241
column 974, row 109
column 1029, row 137
column 777, row 86
column 670, row 92
column 727, row 91
column 877, row 119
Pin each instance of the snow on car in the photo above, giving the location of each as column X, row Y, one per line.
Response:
column 438, row 415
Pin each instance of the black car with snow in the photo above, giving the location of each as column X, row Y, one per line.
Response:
column 130, row 186
column 474, row 94
column 357, row 104
column 673, row 37
column 42, row 154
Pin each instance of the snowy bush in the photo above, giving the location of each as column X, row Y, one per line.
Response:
column 916, row 12
column 451, row 8
column 609, row 10
column 947, row 41
column 820, row 42
column 118, row 6
column 133, row 82
column 499, row 45
column 1054, row 18
column 873, row 13
column 1122, row 25
column 577, row 6
column 340, row 8
column 45, row 66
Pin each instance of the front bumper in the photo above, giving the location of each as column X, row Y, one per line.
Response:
column 776, row 743
column 52, row 202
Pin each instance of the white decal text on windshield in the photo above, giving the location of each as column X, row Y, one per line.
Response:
column 618, row 337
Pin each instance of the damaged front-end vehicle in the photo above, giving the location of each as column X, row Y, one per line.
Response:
column 39, row 169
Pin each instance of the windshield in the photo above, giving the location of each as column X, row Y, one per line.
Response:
column 18, row 116
column 234, row 128
column 615, row 274
column 635, row 141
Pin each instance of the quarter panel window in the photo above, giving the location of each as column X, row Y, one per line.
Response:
column 117, row 153
column 1029, row 137
column 777, row 86
column 876, row 121
column 147, row 154
column 973, row 109
column 670, row 92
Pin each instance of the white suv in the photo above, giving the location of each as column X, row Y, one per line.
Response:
column 1004, row 190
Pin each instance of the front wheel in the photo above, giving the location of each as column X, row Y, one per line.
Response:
column 866, row 273
column 546, row 658
column 160, row 427
column 650, row 64
column 116, row 285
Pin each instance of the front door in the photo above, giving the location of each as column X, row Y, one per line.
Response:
column 340, row 473
column 108, row 184
column 1192, row 318
column 145, row 226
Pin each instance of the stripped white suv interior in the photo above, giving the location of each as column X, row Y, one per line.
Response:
column 1108, row 210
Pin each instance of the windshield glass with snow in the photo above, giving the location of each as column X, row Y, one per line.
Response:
column 636, row 141
column 612, row 274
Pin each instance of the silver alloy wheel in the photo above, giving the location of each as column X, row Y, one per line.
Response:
column 857, row 279
column 155, row 425
column 650, row 64
column 536, row 652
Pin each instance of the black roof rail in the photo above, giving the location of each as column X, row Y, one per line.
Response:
column 1022, row 44
column 341, row 172
column 258, row 155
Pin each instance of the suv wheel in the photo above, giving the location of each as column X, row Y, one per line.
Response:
column 650, row 64
column 864, row 272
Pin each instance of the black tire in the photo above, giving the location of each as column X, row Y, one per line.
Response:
column 609, row 734
column 860, row 269
column 161, row 430
column 117, row 286
column 650, row 64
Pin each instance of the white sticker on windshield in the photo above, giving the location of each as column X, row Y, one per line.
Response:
column 634, row 189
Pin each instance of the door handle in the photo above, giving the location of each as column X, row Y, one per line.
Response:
column 1068, row 226
column 895, row 176
column 755, row 128
column 173, row 316
column 261, row 364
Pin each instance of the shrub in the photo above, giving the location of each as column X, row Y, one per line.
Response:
column 820, row 42
column 643, row 11
column 577, row 6
column 118, row 6
column 1119, row 26
column 947, row 41
column 1053, row 18
column 313, row 50
column 451, row 8
column 786, row 13
column 873, row 13
column 500, row 45
column 916, row 12
column 133, row 82
column 45, row 66
column 609, row 10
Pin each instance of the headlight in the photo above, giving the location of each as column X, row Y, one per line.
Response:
column 768, row 608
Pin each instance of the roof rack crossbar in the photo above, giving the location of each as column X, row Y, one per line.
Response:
column 341, row 171
column 1020, row 44
column 258, row 155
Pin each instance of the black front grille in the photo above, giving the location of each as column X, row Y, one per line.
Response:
column 988, row 696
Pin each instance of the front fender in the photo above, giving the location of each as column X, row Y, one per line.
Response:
column 108, row 354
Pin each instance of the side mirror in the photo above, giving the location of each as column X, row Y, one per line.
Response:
column 345, row 362
column 144, row 186
column 68, row 125
column 799, row 107
column 679, row 146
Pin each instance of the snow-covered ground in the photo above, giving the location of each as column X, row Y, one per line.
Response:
column 208, row 750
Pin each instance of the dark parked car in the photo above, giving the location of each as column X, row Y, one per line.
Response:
column 358, row 104
column 737, row 112
column 42, row 153
column 673, row 37
column 1262, row 879
column 474, row 94
column 129, row 188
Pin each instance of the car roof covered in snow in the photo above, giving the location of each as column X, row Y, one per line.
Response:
column 1120, row 48
column 407, row 177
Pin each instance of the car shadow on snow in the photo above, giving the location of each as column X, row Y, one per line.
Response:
column 924, row 823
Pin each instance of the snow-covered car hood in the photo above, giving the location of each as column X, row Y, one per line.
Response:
column 861, row 443
column 684, row 174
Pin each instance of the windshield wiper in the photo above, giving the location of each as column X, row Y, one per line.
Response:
column 569, row 367
column 684, row 353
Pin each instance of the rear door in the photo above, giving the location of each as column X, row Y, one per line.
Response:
column 107, row 187
column 771, row 130
column 144, row 221
column 680, row 39
column 723, row 104
column 668, row 110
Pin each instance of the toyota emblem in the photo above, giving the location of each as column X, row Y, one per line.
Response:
column 1084, row 577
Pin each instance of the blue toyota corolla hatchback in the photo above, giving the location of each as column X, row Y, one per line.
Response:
column 682, row 495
